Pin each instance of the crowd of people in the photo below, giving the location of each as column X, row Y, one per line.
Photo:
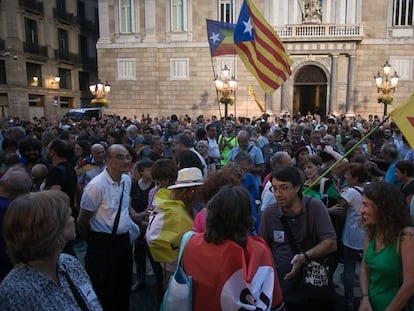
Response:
column 265, row 197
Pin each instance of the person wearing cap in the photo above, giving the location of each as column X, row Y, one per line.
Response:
column 171, row 217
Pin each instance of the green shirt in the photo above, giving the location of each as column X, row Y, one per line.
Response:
column 385, row 274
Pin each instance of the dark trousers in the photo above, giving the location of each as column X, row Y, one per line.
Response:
column 108, row 262
column 140, row 257
column 351, row 258
column 310, row 305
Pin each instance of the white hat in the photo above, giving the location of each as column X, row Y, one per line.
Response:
column 188, row 177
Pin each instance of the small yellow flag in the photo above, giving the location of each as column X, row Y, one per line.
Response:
column 251, row 92
column 403, row 116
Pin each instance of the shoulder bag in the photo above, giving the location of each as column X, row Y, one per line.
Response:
column 316, row 281
column 178, row 296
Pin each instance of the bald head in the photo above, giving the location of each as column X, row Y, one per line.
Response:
column 243, row 138
column 118, row 161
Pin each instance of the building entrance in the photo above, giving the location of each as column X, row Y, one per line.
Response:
column 310, row 91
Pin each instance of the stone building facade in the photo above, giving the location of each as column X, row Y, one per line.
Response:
column 47, row 56
column 156, row 55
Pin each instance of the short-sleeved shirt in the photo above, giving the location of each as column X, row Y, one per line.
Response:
column 319, row 228
column 65, row 176
column 24, row 288
column 102, row 196
column 353, row 234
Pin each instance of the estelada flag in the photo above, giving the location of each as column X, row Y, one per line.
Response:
column 260, row 48
column 403, row 116
column 220, row 38
column 229, row 277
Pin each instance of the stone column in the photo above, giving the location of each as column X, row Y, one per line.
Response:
column 333, row 83
column 350, row 86
column 284, row 105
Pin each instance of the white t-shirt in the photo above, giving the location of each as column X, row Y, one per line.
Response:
column 353, row 234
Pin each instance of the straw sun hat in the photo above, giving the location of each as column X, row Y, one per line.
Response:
column 188, row 177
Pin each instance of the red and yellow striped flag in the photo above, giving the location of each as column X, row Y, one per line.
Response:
column 260, row 48
column 403, row 116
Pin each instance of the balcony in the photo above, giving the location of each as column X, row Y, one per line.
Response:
column 65, row 17
column 319, row 32
column 35, row 49
column 66, row 57
column 32, row 6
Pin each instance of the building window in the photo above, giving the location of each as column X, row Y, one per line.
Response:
column 126, row 16
column 403, row 12
column 36, row 100
column 3, row 77
column 66, row 102
column 226, row 11
column 34, row 74
column 179, row 69
column 63, row 43
column 403, row 66
column 65, row 79
column 223, row 61
column 126, row 69
column 61, row 5
column 32, row 38
column 178, row 11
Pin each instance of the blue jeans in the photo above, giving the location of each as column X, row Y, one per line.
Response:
column 351, row 258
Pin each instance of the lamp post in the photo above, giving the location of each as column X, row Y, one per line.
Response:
column 226, row 86
column 386, row 85
column 100, row 91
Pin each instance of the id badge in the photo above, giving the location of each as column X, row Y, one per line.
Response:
column 279, row 236
column 88, row 292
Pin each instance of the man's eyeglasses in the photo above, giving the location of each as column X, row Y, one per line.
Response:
column 281, row 188
column 121, row 157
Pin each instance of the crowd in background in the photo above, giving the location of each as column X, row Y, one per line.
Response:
column 144, row 167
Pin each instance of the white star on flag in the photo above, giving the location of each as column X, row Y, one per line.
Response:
column 248, row 26
column 215, row 37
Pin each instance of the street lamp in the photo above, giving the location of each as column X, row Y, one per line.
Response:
column 226, row 86
column 386, row 85
column 100, row 91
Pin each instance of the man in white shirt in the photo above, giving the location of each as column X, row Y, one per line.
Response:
column 105, row 224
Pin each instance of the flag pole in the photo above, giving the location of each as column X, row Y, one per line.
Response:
column 217, row 92
column 345, row 155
